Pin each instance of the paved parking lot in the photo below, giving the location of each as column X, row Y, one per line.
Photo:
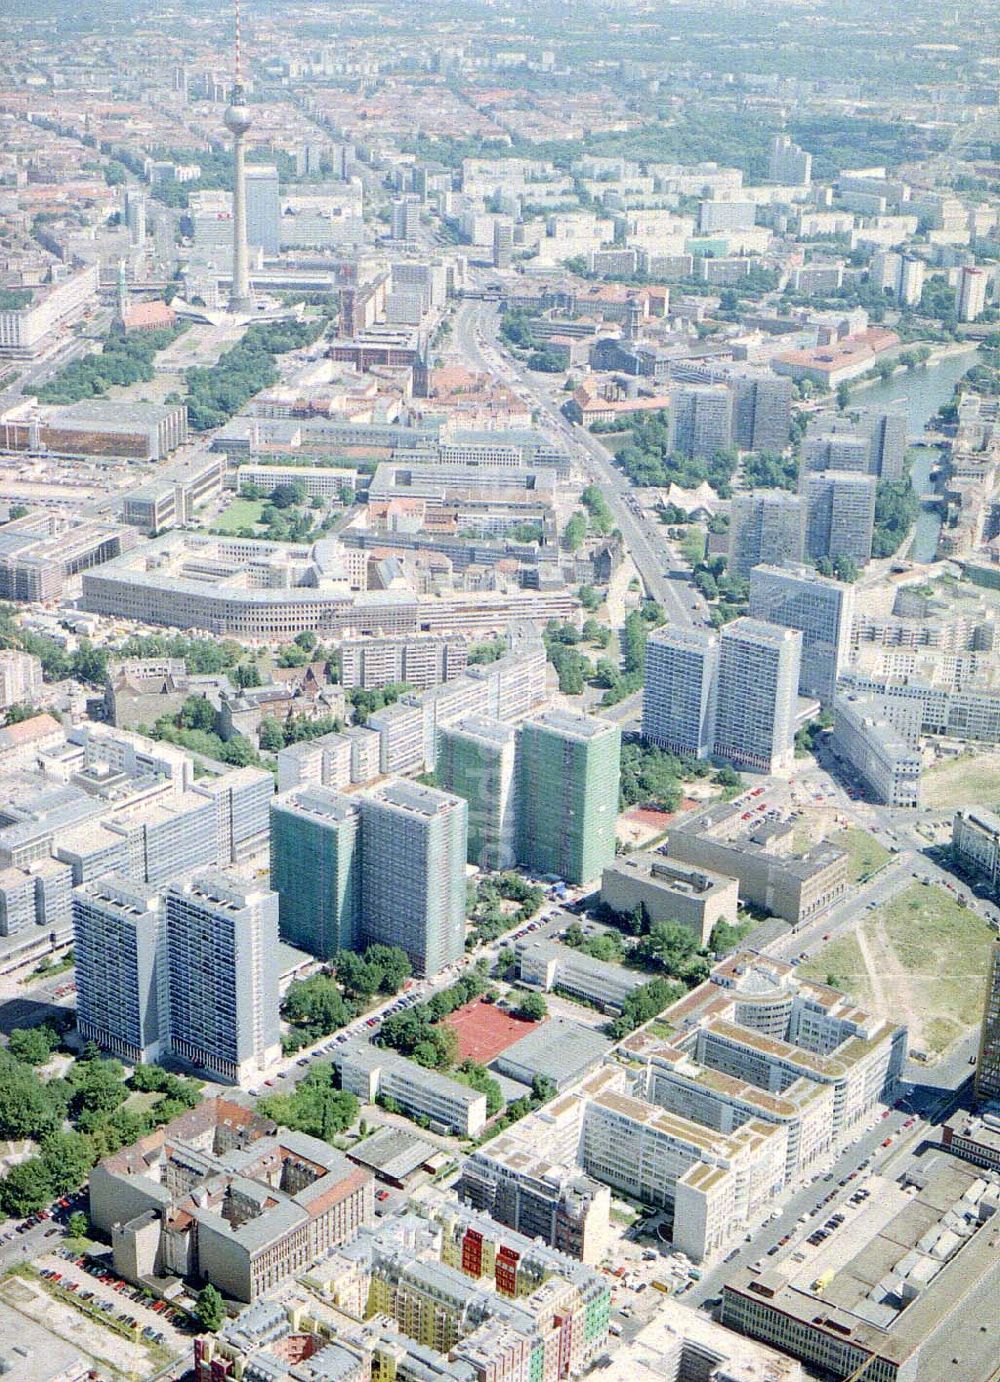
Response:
column 111, row 1354
column 175, row 1341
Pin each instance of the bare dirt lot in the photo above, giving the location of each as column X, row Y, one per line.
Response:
column 919, row 959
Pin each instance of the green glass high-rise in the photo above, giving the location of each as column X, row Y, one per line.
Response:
column 413, row 872
column 567, row 803
column 476, row 761
column 316, row 869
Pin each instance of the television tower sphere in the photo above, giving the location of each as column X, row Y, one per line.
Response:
column 238, row 118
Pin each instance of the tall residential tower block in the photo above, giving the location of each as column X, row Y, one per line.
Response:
column 568, row 779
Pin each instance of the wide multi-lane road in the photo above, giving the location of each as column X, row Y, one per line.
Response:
column 475, row 342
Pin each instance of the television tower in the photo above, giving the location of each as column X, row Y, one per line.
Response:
column 238, row 121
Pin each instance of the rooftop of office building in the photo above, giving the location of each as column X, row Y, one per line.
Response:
column 919, row 1284
column 220, row 891
column 676, row 636
column 747, row 630
column 686, row 879
column 319, row 802
column 571, row 725
column 494, row 733
column 412, row 798
column 559, row 1050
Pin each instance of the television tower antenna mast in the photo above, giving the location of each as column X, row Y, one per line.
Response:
column 238, row 121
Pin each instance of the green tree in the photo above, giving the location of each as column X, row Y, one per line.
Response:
column 316, row 1106
column 532, row 1007
column 270, row 735
column 574, row 533
column 26, row 1188
column 316, row 1003
column 644, row 1003
column 78, row 1224
column 27, row 1107
column 17, row 713
column 33, row 1045
column 197, row 712
column 285, row 496
column 209, row 1309
column 479, row 1078
column 392, row 964
column 67, row 1158
column 246, row 674
column 239, row 752
column 357, row 975
column 601, row 517
column 673, row 948
column 98, row 1085
column 543, row 1089
column 506, row 962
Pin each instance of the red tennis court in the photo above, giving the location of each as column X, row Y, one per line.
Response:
column 484, row 1030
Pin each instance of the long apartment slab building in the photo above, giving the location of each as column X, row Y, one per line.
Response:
column 765, row 1078
column 268, row 592
column 94, row 800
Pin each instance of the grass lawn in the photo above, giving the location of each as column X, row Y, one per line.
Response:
column 944, row 948
column 973, row 779
column 663, row 1030
column 692, row 545
column 865, row 855
column 843, row 962
column 928, row 965
column 242, row 513
column 142, row 1100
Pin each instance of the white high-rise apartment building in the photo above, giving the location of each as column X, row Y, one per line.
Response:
column 121, row 968
column 789, row 164
column 798, row 597
column 757, row 694
column 971, row 297
column 765, row 526
column 20, row 677
column 900, row 274
column 222, row 955
column 840, row 514
column 700, row 419
column 911, row 281
column 678, row 702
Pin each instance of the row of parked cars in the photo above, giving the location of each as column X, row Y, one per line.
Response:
column 106, row 1307
column 100, row 1272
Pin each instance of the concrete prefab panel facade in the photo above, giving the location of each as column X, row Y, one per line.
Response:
column 222, row 942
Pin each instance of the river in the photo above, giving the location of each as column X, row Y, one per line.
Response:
column 921, row 391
